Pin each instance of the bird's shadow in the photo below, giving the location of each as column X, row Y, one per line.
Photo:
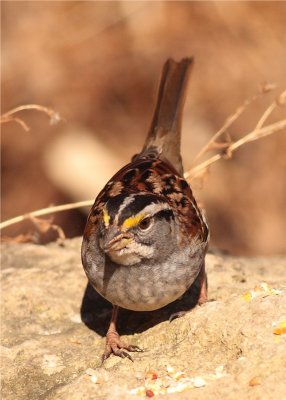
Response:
column 96, row 312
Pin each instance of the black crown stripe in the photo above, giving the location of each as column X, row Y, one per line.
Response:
column 139, row 203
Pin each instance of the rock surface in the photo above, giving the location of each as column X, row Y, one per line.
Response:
column 53, row 328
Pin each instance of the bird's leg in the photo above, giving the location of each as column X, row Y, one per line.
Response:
column 202, row 278
column 113, row 342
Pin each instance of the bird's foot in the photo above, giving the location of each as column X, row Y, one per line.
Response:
column 114, row 345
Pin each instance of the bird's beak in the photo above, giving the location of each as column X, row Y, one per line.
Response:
column 115, row 240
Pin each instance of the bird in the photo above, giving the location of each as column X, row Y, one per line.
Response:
column 145, row 238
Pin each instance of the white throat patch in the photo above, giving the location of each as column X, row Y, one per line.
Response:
column 132, row 254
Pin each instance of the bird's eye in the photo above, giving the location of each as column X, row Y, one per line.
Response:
column 145, row 223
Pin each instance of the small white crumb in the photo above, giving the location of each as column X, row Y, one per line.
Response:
column 94, row 379
column 199, row 382
column 170, row 369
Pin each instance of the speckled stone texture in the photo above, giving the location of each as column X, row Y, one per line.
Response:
column 53, row 326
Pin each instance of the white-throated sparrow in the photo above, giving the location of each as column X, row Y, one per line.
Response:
column 145, row 239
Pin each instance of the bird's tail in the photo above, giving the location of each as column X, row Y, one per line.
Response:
column 164, row 136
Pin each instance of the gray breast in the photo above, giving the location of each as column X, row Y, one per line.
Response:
column 145, row 287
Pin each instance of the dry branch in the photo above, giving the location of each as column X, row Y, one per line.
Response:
column 229, row 147
column 228, row 122
column 10, row 115
column 45, row 211
column 253, row 135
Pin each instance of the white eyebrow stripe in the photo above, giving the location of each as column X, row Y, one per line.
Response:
column 153, row 208
column 125, row 204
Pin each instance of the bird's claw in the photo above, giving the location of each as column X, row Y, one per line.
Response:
column 118, row 348
column 178, row 314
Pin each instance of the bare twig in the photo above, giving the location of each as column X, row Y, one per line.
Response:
column 44, row 230
column 45, row 211
column 5, row 119
column 259, row 133
column 265, row 115
column 253, row 135
column 10, row 115
column 280, row 101
column 228, row 122
column 228, row 146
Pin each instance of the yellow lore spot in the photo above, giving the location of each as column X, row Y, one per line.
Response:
column 106, row 218
column 132, row 221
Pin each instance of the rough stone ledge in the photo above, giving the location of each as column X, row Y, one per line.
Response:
column 49, row 353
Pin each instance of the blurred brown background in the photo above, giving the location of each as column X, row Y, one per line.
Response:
column 98, row 65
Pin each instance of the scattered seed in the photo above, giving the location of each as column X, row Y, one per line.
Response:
column 281, row 329
column 151, row 375
column 256, row 380
column 149, row 393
